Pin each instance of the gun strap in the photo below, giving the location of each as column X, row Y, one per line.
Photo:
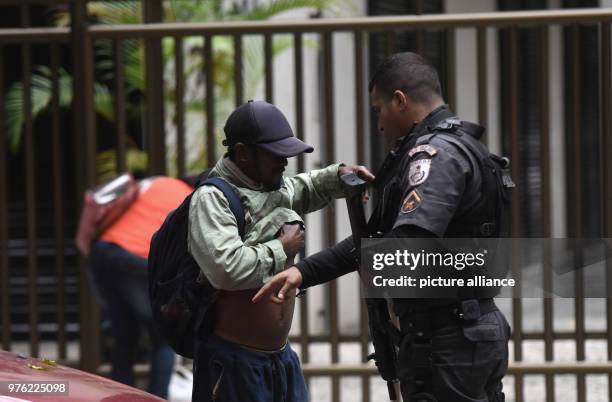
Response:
column 393, row 333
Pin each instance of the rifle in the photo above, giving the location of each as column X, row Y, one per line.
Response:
column 379, row 320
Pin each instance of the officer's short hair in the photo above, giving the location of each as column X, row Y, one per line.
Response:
column 409, row 73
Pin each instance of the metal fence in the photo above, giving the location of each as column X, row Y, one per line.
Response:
column 70, row 167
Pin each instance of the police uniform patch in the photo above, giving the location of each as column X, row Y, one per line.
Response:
column 411, row 202
column 431, row 151
column 418, row 171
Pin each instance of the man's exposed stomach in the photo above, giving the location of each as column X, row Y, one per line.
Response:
column 264, row 325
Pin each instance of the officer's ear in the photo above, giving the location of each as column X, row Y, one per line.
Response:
column 399, row 100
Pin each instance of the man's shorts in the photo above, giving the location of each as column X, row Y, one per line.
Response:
column 229, row 372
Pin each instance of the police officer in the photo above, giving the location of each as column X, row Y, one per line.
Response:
column 436, row 182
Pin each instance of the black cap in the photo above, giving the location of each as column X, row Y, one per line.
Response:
column 262, row 124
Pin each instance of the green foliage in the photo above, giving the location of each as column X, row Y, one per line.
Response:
column 106, row 163
column 129, row 12
column 41, row 93
column 269, row 10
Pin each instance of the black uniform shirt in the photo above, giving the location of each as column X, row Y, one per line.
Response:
column 439, row 181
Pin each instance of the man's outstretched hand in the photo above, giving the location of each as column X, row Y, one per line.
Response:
column 361, row 171
column 279, row 286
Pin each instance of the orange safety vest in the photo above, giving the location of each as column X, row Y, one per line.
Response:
column 135, row 228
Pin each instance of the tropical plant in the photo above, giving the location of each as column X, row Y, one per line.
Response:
column 129, row 12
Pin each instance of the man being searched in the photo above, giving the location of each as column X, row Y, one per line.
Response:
column 431, row 185
column 247, row 357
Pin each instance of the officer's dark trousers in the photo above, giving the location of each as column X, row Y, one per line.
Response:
column 468, row 362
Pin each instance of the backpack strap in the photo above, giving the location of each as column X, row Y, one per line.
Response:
column 233, row 198
column 202, row 178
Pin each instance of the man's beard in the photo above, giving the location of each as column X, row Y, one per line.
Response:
column 274, row 186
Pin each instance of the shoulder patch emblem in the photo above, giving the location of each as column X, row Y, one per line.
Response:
column 431, row 151
column 411, row 202
column 418, row 171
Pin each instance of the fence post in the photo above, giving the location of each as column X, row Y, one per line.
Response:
column 85, row 153
column 154, row 92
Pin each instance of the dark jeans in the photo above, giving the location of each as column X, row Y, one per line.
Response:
column 120, row 279
column 228, row 372
column 468, row 363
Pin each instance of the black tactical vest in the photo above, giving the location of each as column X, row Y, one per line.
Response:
column 487, row 218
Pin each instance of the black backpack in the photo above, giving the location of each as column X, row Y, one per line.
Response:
column 180, row 300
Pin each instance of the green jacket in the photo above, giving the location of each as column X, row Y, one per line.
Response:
column 228, row 262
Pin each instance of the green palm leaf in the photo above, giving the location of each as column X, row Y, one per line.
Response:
column 41, row 92
column 130, row 11
column 115, row 12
